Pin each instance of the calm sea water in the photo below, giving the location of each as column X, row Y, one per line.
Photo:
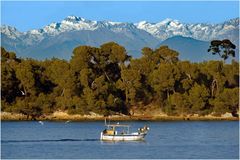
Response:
column 81, row 140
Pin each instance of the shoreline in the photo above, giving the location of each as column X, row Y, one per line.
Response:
column 64, row 117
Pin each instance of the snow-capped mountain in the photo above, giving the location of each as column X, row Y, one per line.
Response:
column 71, row 23
column 201, row 31
column 59, row 39
column 11, row 32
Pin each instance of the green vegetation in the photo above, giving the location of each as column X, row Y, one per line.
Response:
column 107, row 81
column 224, row 48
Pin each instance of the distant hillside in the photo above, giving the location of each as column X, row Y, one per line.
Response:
column 190, row 49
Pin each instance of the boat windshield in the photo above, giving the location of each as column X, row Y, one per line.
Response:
column 125, row 127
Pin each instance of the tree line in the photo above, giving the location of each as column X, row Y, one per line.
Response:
column 107, row 81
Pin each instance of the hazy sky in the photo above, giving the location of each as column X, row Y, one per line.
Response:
column 33, row 15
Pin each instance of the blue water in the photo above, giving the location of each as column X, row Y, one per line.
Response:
column 30, row 140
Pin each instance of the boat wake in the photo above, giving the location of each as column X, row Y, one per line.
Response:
column 52, row 140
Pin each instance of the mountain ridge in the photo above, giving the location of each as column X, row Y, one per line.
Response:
column 133, row 36
column 78, row 23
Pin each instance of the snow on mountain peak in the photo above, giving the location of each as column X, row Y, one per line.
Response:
column 70, row 23
column 142, row 23
column 114, row 23
column 11, row 32
column 161, row 30
column 7, row 28
column 73, row 18
column 166, row 21
column 202, row 31
column 52, row 29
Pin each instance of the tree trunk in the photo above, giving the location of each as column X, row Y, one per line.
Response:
column 63, row 92
column 126, row 94
column 213, row 86
column 168, row 94
column 107, row 76
column 189, row 76
column 25, row 91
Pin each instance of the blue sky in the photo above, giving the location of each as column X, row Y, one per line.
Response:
column 33, row 15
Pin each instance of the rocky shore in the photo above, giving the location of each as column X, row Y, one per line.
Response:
column 62, row 116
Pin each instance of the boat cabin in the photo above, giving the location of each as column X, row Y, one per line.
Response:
column 112, row 129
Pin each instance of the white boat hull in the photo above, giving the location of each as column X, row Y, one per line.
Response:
column 125, row 137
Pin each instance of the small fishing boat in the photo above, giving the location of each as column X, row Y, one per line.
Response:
column 120, row 132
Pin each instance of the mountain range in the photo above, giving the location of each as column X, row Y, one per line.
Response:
column 59, row 39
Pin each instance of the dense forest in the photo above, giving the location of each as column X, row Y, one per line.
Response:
column 107, row 81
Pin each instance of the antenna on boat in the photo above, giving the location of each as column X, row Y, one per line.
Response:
column 105, row 122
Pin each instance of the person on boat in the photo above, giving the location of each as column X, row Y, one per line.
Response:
column 123, row 132
column 104, row 131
